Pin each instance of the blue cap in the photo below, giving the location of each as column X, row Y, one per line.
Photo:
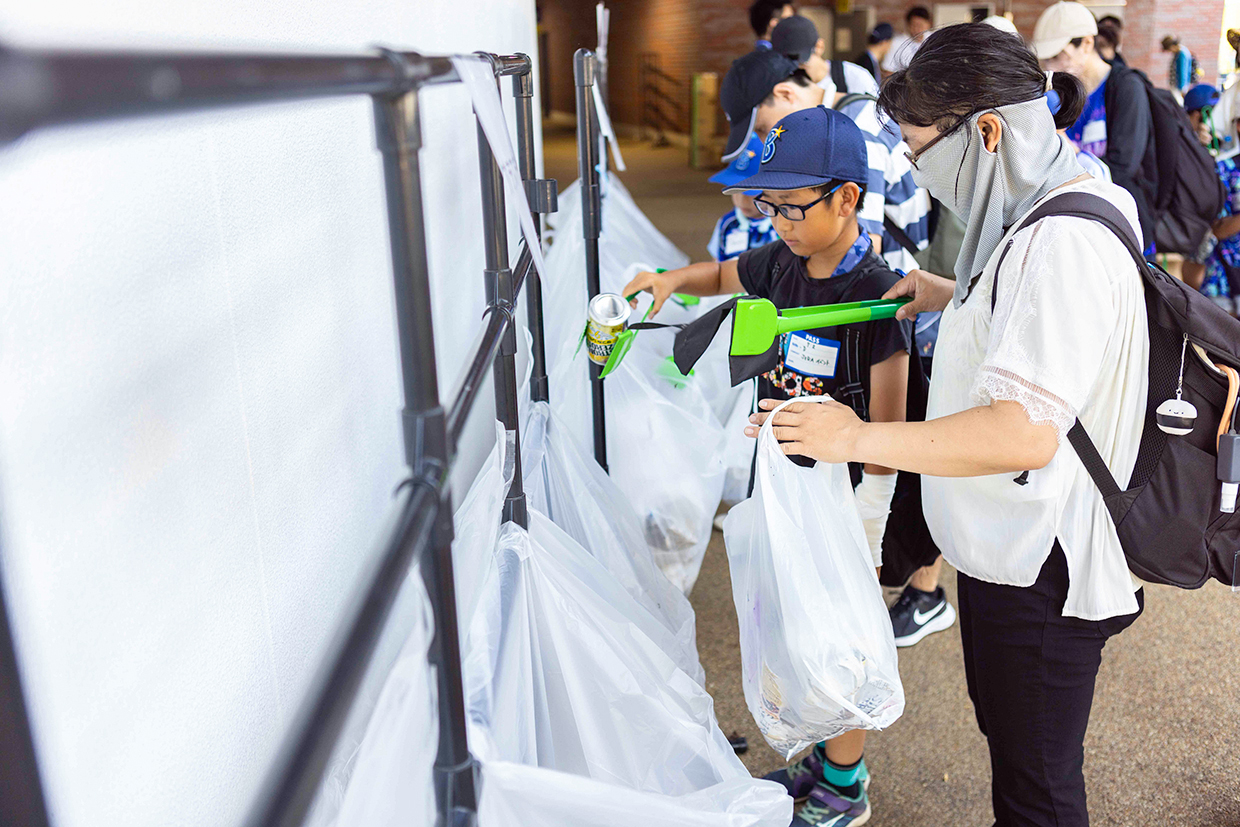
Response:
column 1199, row 97
column 809, row 148
column 743, row 165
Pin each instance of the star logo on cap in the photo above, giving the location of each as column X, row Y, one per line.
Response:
column 768, row 146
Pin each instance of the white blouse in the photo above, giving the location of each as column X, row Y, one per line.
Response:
column 1068, row 339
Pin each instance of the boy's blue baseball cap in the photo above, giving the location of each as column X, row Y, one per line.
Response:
column 809, row 148
column 743, row 165
column 1199, row 97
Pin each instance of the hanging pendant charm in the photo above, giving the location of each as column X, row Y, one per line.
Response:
column 1176, row 416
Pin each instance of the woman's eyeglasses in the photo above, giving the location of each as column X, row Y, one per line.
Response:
column 792, row 212
column 913, row 156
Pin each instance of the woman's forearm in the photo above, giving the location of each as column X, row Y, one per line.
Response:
column 995, row 439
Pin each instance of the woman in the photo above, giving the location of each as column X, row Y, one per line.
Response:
column 1043, row 580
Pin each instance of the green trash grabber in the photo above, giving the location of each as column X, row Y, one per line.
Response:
column 756, row 323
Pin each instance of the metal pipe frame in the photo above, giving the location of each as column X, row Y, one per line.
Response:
column 542, row 197
column 39, row 89
column 592, row 221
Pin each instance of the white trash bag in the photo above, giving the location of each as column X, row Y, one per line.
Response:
column 817, row 652
column 564, row 483
column 519, row 796
column 665, row 449
column 574, row 675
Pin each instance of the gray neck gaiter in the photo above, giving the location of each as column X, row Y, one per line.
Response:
column 989, row 191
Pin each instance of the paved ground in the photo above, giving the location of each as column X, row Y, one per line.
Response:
column 1164, row 742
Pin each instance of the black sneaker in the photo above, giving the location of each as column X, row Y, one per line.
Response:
column 917, row 614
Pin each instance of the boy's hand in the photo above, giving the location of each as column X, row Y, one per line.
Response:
column 928, row 291
column 657, row 284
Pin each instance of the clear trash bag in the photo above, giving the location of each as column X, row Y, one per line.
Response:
column 564, row 669
column 657, row 428
column 521, row 796
column 387, row 780
column 565, row 483
column 817, row 652
column 665, row 449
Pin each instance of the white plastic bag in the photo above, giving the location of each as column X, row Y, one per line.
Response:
column 665, row 449
column 565, row 483
column 738, row 448
column 574, row 675
column 817, row 651
column 387, row 780
column 519, row 796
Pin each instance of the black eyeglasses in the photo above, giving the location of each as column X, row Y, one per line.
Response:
column 913, row 156
column 792, row 212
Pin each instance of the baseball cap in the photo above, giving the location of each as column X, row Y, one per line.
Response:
column 1199, row 97
column 743, row 165
column 808, row 148
column 1059, row 25
column 882, row 33
column 795, row 37
column 747, row 83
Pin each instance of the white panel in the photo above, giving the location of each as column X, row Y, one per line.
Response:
column 199, row 394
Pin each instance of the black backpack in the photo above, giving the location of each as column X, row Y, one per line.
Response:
column 1168, row 517
column 1189, row 196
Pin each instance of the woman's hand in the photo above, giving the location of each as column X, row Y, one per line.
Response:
column 826, row 431
column 660, row 285
column 929, row 293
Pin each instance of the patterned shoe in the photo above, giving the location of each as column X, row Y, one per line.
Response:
column 800, row 777
column 828, row 807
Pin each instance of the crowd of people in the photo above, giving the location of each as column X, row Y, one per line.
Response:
column 866, row 179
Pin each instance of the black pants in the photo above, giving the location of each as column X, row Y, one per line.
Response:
column 1031, row 676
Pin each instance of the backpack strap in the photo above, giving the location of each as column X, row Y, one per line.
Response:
column 897, row 233
column 1094, row 208
column 849, row 99
column 837, row 76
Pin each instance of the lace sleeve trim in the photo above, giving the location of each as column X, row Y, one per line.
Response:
column 994, row 384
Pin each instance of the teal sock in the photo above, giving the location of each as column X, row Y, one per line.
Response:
column 843, row 778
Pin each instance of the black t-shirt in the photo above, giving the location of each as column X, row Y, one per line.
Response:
column 828, row 360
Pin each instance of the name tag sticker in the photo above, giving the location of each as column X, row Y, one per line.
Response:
column 1094, row 132
column 811, row 355
column 737, row 241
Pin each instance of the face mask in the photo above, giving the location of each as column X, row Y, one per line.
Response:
column 989, row 191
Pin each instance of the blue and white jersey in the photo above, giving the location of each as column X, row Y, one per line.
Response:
column 734, row 234
column 891, row 191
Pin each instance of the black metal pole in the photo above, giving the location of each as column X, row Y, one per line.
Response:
column 501, row 298
column 542, row 197
column 45, row 87
column 21, row 790
column 591, row 215
column 399, row 132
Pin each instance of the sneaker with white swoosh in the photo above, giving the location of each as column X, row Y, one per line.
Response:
column 917, row 614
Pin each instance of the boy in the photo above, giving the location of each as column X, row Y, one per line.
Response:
column 763, row 87
column 812, row 176
column 743, row 227
column 796, row 38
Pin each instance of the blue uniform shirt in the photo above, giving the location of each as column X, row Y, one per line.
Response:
column 734, row 234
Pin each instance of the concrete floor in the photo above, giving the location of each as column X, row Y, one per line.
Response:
column 1164, row 741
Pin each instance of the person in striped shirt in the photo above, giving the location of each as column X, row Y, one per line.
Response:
column 763, row 86
column 741, row 228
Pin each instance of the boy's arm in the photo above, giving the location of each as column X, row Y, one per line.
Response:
column 888, row 396
column 888, row 391
column 708, row 278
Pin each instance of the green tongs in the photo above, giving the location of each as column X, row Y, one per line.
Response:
column 757, row 323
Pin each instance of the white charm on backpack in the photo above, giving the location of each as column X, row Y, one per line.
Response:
column 1175, row 416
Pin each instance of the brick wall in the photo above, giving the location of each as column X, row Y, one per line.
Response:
column 707, row 35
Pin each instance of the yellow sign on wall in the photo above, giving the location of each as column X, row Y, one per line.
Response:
column 843, row 6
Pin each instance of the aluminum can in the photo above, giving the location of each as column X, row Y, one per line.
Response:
column 605, row 318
